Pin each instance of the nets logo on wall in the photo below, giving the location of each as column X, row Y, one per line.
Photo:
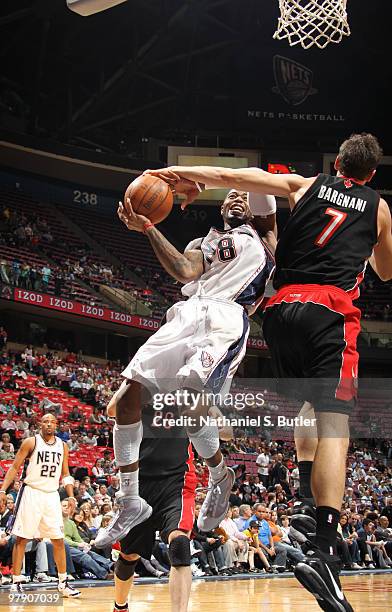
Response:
column 293, row 80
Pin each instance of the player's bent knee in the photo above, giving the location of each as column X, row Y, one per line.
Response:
column 124, row 569
column 180, row 552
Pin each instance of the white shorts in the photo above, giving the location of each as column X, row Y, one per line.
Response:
column 201, row 344
column 38, row 515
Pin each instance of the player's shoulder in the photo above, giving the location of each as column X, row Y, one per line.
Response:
column 29, row 444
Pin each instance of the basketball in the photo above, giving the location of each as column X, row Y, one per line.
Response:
column 151, row 197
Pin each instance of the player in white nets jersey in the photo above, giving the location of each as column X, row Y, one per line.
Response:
column 198, row 348
column 38, row 510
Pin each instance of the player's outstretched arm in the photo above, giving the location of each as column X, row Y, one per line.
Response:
column 183, row 267
column 381, row 260
column 25, row 451
column 244, row 179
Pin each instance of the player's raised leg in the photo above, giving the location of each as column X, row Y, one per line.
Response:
column 127, row 437
column 205, row 440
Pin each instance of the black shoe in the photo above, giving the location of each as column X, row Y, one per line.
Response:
column 319, row 574
column 305, row 507
column 302, row 528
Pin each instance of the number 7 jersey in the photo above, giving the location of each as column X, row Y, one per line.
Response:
column 237, row 266
column 44, row 465
column 330, row 236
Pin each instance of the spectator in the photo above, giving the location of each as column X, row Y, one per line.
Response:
column 3, row 338
column 87, row 481
column 295, row 478
column 75, row 414
column 237, row 543
column 46, row 274
column 243, row 520
column 252, row 534
column 114, row 486
column 349, row 537
column 73, row 443
column 8, row 424
column 90, row 439
column 5, row 439
column 279, row 472
column 6, row 452
column 63, row 432
column 263, row 461
column 293, row 554
column 277, row 557
column 83, row 494
column 81, row 553
column 372, row 552
column 249, row 490
column 7, row 511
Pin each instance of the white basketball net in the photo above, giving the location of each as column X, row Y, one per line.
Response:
column 312, row 22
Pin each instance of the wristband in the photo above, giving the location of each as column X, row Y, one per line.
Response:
column 198, row 186
column 147, row 226
column 3, row 491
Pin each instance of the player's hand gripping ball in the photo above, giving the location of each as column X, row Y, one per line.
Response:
column 150, row 197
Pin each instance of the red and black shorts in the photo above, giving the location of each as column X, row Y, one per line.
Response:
column 173, row 501
column 312, row 331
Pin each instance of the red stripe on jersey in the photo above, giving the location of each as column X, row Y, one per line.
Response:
column 188, row 494
column 337, row 300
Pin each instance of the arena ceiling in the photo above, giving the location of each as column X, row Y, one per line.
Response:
column 202, row 72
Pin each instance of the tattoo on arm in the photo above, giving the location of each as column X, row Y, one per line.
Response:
column 182, row 267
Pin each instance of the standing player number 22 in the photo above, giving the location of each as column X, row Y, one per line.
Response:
column 333, row 225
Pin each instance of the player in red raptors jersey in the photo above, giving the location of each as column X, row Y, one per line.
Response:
column 337, row 226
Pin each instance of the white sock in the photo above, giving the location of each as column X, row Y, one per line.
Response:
column 129, row 483
column 62, row 578
column 126, row 442
column 16, row 579
column 219, row 472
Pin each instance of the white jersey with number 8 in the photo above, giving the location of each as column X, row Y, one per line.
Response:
column 236, row 266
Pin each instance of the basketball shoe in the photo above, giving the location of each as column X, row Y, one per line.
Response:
column 215, row 505
column 319, row 574
column 66, row 590
column 118, row 608
column 131, row 512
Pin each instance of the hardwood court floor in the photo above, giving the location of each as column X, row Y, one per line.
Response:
column 365, row 592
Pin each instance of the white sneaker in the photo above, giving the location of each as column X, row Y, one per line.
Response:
column 356, row 566
column 67, row 591
column 43, row 577
column 70, row 577
column 131, row 512
column 196, row 571
column 215, row 505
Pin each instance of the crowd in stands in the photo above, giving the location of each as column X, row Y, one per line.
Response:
column 254, row 537
column 42, row 261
